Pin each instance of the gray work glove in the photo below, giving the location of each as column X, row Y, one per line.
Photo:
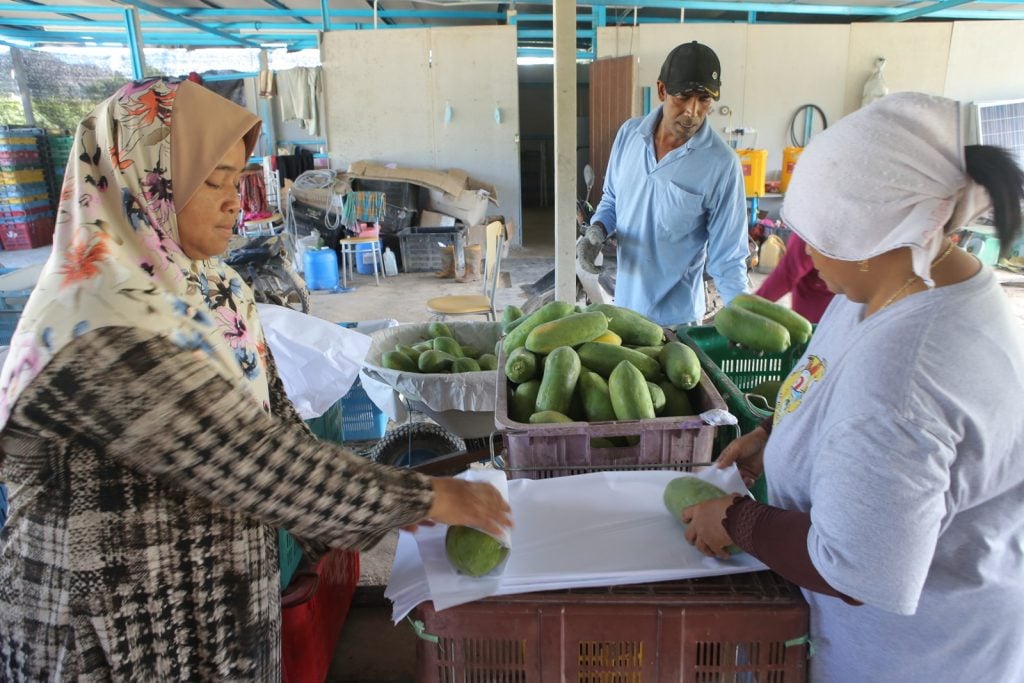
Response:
column 589, row 247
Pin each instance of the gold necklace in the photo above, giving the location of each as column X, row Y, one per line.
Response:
column 944, row 254
column 899, row 291
column 913, row 277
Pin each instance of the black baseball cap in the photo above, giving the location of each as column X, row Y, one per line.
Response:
column 692, row 66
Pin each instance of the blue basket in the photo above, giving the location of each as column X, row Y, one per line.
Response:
column 353, row 418
column 361, row 419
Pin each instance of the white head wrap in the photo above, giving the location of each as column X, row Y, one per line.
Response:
column 889, row 175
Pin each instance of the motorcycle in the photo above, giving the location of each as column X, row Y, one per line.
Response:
column 590, row 287
column 265, row 263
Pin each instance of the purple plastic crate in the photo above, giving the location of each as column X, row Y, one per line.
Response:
column 555, row 450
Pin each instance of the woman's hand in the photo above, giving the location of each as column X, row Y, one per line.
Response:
column 748, row 454
column 470, row 503
column 704, row 528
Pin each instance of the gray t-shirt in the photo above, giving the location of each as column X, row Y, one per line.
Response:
column 903, row 435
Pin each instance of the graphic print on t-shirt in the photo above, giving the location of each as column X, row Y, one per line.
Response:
column 793, row 390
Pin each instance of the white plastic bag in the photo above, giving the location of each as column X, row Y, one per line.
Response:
column 318, row 360
column 304, row 244
column 875, row 87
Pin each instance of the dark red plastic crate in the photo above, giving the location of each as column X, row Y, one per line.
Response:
column 742, row 627
column 27, row 235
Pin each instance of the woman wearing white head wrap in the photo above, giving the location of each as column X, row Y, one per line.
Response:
column 147, row 442
column 893, row 462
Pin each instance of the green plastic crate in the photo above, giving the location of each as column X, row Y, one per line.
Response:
column 735, row 370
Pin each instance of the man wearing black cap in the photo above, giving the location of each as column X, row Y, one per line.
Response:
column 674, row 199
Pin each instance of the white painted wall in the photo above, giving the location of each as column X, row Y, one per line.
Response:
column 769, row 71
column 386, row 91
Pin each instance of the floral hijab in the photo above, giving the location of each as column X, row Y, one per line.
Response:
column 116, row 259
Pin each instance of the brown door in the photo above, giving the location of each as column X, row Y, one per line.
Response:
column 612, row 92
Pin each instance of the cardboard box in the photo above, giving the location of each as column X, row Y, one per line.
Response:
column 433, row 219
column 452, row 192
column 468, row 206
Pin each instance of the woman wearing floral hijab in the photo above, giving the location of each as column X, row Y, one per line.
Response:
column 147, row 441
column 894, row 456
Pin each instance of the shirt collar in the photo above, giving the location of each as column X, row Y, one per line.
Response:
column 700, row 139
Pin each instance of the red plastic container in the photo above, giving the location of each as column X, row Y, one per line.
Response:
column 742, row 627
column 555, row 450
column 27, row 235
column 313, row 611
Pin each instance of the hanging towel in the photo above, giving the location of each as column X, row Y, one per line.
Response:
column 363, row 206
column 299, row 90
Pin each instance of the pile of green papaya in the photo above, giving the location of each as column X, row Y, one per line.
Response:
column 762, row 325
column 568, row 364
column 440, row 353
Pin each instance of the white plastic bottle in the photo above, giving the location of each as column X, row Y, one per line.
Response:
column 390, row 265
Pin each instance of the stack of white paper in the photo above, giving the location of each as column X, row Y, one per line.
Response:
column 597, row 529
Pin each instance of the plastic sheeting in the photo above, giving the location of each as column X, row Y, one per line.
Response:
column 318, row 360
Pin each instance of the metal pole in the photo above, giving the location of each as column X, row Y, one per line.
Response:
column 19, row 76
column 268, row 121
column 564, row 24
column 325, row 15
column 131, row 20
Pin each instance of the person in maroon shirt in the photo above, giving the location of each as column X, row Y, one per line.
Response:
column 796, row 273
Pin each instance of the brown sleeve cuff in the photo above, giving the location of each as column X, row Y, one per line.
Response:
column 778, row 538
column 766, row 424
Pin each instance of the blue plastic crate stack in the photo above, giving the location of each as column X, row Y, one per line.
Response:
column 26, row 190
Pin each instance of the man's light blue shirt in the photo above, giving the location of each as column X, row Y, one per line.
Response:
column 672, row 216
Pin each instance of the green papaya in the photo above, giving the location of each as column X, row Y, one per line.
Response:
column 473, row 552
column 465, row 365
column 523, row 402
column 396, row 360
column 435, row 361
column 520, row 366
column 439, row 329
column 682, row 492
column 548, row 417
column 799, row 327
column 449, row 346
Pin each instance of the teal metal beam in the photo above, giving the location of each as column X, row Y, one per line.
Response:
column 186, row 21
column 213, row 78
column 923, row 11
column 325, row 15
column 134, row 31
column 63, row 9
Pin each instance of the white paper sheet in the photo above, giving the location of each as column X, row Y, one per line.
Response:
column 318, row 360
column 597, row 529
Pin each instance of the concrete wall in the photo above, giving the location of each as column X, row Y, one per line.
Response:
column 386, row 92
column 769, row 71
